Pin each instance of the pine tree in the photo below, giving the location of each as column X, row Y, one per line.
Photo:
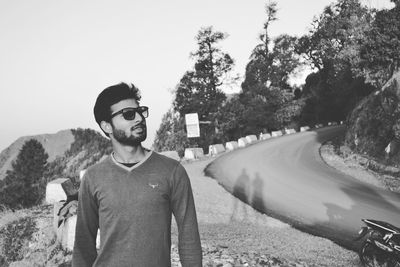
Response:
column 24, row 185
column 200, row 90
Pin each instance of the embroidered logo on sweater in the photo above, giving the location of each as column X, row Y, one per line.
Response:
column 153, row 185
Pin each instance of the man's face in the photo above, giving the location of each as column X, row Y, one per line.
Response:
column 128, row 132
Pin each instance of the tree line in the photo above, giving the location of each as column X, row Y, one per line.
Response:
column 352, row 49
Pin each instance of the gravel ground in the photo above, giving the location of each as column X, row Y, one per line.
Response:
column 234, row 234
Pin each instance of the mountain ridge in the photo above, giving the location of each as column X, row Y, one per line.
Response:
column 54, row 144
column 69, row 151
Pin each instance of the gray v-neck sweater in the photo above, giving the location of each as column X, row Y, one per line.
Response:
column 133, row 208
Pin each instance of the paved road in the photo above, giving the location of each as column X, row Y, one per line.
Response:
column 286, row 178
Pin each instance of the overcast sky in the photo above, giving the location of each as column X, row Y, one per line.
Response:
column 57, row 55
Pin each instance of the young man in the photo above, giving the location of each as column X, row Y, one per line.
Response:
column 131, row 195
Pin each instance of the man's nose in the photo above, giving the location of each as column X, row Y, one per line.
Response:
column 139, row 117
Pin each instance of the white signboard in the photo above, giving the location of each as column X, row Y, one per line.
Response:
column 192, row 125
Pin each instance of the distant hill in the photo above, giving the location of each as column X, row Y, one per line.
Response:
column 69, row 151
column 54, row 144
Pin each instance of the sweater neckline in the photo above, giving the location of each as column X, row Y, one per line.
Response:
column 134, row 166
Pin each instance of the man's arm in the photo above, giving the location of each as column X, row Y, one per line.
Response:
column 85, row 252
column 185, row 214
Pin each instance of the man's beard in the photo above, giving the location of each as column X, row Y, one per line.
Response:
column 131, row 140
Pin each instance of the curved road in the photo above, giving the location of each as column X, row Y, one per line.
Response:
column 286, row 178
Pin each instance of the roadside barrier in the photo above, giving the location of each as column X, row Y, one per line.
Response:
column 242, row 142
column 55, row 191
column 194, row 153
column 276, row 133
column 63, row 194
column 290, row 131
column 265, row 136
column 232, row 145
column 251, row 138
column 215, row 149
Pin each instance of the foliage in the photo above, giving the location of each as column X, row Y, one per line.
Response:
column 58, row 256
column 90, row 140
column 353, row 50
column 242, row 116
column 285, row 60
column 199, row 90
column 88, row 147
column 24, row 185
column 231, row 119
column 333, row 47
column 336, row 35
column 55, row 168
column 271, row 66
column 351, row 44
column 15, row 236
column 333, row 44
column 372, row 124
column 260, row 109
column 193, row 96
column 267, row 74
column 375, row 121
column 171, row 135
column 259, row 69
column 288, row 116
column 331, row 102
column 211, row 63
column 379, row 52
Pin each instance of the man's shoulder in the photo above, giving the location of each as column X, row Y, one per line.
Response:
column 101, row 163
column 163, row 159
column 98, row 166
column 169, row 167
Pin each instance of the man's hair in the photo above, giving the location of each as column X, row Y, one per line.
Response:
column 110, row 96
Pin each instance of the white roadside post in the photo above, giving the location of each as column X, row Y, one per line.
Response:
column 192, row 131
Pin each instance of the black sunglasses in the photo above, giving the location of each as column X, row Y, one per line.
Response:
column 129, row 114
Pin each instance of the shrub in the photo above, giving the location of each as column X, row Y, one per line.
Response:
column 171, row 135
column 15, row 237
column 88, row 148
column 24, row 185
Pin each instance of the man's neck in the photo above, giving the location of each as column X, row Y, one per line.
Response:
column 128, row 154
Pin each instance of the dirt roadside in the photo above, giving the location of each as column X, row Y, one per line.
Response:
column 360, row 167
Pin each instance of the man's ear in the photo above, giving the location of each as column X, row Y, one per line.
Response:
column 106, row 127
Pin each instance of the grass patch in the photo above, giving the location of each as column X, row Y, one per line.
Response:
column 15, row 237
